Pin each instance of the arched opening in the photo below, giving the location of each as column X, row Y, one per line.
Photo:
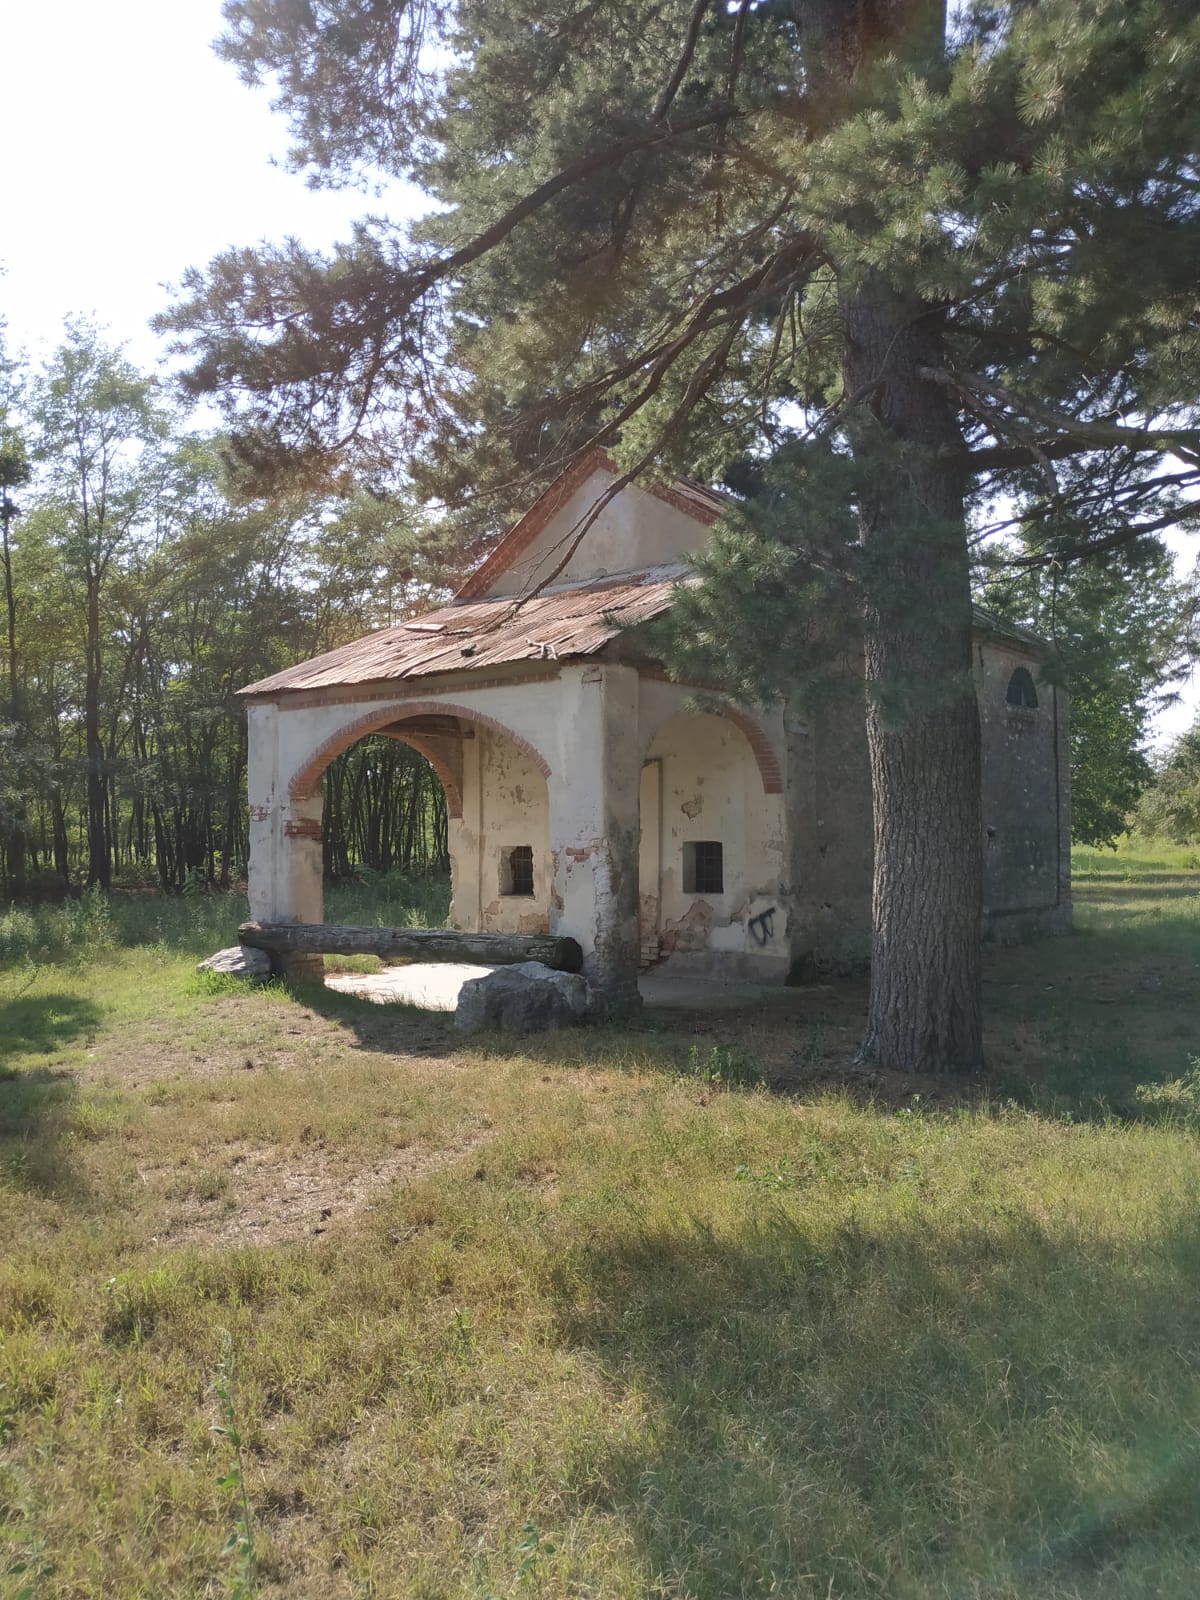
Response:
column 429, row 783
column 1021, row 690
column 711, row 841
column 386, row 809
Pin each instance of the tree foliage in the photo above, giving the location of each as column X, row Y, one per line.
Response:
column 929, row 265
column 141, row 594
column 1170, row 807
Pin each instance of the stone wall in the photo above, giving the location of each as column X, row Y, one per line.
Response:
column 1026, row 798
column 830, row 829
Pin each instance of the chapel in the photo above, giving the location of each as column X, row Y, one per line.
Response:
column 589, row 795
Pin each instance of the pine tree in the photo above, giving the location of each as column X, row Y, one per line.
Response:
column 877, row 267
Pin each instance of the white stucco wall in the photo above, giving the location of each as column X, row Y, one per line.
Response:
column 285, row 852
column 508, row 796
column 711, row 788
column 604, row 734
column 634, row 531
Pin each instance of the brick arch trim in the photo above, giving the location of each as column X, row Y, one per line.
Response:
column 761, row 747
column 305, row 779
column 764, row 751
column 425, row 748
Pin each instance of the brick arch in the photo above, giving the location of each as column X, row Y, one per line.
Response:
column 424, row 747
column 764, row 751
column 761, row 747
column 305, row 779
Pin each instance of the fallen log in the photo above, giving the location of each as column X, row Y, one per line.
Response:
column 411, row 944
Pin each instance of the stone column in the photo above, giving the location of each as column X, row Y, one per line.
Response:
column 285, row 872
column 594, row 827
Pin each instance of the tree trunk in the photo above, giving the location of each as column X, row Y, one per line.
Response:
column 99, row 869
column 922, row 715
column 15, row 853
column 412, row 944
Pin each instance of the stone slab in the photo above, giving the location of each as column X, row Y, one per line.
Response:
column 239, row 961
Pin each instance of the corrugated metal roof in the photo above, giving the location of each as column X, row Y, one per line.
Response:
column 464, row 637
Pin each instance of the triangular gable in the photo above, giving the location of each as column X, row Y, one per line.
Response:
column 644, row 526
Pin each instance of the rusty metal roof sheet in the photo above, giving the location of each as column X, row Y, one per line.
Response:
column 464, row 637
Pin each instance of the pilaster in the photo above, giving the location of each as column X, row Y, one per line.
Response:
column 285, row 869
column 594, row 790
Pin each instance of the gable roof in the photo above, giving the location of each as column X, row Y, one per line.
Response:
column 693, row 499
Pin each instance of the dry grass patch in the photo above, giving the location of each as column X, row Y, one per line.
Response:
column 276, row 1196
column 586, row 1321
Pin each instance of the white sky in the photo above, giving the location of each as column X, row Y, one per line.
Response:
column 130, row 153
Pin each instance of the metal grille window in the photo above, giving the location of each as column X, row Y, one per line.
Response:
column 517, row 870
column 703, row 867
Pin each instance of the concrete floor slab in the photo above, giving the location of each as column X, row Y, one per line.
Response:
column 432, row 984
column 435, row 985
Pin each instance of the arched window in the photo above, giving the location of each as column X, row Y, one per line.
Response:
column 1021, row 691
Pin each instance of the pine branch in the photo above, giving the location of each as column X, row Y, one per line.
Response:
column 671, row 89
column 663, row 132
column 1084, row 548
column 1081, row 434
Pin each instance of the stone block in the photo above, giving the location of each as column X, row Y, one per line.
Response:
column 239, row 961
column 523, row 998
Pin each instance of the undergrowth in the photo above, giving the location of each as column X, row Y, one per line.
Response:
column 80, row 930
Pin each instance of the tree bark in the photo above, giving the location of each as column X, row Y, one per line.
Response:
column 411, row 944
column 99, row 860
column 15, row 853
column 922, row 715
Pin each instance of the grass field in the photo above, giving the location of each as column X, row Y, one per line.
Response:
column 598, row 1316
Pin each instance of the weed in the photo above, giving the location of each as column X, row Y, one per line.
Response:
column 724, row 1065
column 738, row 1344
column 239, row 1547
column 534, row 1551
column 26, row 1557
column 781, row 1176
column 1177, row 1097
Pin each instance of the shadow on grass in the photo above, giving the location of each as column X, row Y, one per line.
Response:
column 38, row 1103
column 1080, row 1029
column 897, row 1409
column 655, row 1042
column 38, row 1024
column 1118, row 876
column 37, row 1107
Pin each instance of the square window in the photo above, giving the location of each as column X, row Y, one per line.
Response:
column 516, row 870
column 703, row 867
